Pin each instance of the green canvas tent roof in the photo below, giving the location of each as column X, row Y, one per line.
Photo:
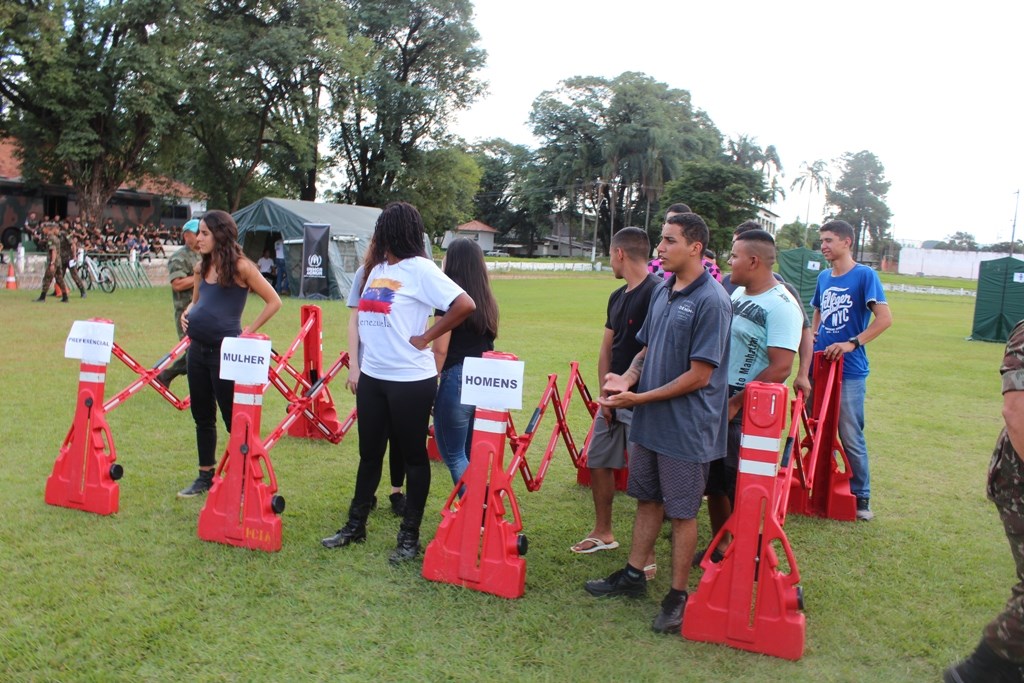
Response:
column 351, row 231
column 801, row 267
column 1000, row 301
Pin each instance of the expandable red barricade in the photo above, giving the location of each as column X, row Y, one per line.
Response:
column 822, row 488
column 744, row 600
column 243, row 508
column 147, row 377
column 85, row 473
column 476, row 546
column 312, row 354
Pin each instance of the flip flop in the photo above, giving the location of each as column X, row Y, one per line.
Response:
column 596, row 544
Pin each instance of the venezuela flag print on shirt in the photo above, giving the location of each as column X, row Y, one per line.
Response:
column 379, row 295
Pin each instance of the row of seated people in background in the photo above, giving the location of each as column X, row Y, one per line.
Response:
column 145, row 239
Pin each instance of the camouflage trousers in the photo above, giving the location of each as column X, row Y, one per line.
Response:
column 75, row 277
column 57, row 273
column 180, row 366
column 1005, row 634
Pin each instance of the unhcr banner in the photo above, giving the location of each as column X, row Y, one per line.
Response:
column 314, row 261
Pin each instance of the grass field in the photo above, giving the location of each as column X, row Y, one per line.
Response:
column 137, row 596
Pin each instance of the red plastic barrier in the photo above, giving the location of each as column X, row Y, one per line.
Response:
column 744, row 600
column 85, row 473
column 312, row 353
column 823, row 487
column 476, row 546
column 243, row 508
column 432, row 451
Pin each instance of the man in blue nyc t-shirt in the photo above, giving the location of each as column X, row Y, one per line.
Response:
column 846, row 298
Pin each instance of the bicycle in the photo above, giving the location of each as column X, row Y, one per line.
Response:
column 93, row 273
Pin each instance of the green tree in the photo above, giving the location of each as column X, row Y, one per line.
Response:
column 745, row 151
column 961, row 241
column 610, row 145
column 442, row 183
column 570, row 122
column 1006, row 247
column 859, row 198
column 723, row 194
column 794, row 235
column 253, row 108
column 419, row 68
column 504, row 165
column 815, row 178
column 86, row 90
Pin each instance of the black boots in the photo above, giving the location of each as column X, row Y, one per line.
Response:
column 983, row 666
column 354, row 530
column 202, row 484
column 408, row 546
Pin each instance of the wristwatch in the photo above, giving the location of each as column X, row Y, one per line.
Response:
column 856, row 342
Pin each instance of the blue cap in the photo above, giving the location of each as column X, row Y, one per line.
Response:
column 191, row 226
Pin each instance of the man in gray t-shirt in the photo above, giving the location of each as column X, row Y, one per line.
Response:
column 679, row 412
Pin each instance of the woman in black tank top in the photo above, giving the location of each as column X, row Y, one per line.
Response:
column 224, row 278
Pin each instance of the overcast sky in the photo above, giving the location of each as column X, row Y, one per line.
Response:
column 933, row 90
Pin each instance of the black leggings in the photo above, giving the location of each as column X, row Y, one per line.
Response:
column 208, row 391
column 395, row 414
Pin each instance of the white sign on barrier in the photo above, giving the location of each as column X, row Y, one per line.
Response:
column 246, row 361
column 813, row 265
column 90, row 342
column 1018, row 277
column 493, row 383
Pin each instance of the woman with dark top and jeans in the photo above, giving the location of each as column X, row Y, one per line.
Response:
column 453, row 421
column 396, row 378
column 224, row 278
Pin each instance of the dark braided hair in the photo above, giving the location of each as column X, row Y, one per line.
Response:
column 399, row 230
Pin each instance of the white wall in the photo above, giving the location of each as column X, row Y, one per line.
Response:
column 943, row 263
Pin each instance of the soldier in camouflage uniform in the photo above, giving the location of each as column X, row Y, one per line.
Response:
column 1000, row 654
column 67, row 254
column 54, row 266
column 181, row 269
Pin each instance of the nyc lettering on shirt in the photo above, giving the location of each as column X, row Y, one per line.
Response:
column 836, row 303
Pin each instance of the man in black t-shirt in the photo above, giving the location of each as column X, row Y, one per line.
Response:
column 627, row 309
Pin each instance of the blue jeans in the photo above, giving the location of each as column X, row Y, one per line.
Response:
column 282, row 274
column 851, row 433
column 453, row 423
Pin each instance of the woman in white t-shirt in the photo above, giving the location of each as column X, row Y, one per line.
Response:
column 396, row 378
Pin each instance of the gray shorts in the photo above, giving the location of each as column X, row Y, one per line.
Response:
column 678, row 484
column 607, row 447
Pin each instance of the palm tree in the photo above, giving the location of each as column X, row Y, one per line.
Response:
column 816, row 177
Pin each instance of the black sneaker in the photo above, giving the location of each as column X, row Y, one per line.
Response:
column 864, row 513
column 618, row 583
column 716, row 556
column 670, row 618
column 200, row 486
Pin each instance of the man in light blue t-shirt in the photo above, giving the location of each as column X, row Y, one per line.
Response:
column 846, row 298
column 767, row 324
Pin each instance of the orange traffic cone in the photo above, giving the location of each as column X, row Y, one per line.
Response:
column 12, row 282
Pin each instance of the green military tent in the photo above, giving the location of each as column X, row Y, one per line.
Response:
column 1000, row 302
column 800, row 267
column 351, row 231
